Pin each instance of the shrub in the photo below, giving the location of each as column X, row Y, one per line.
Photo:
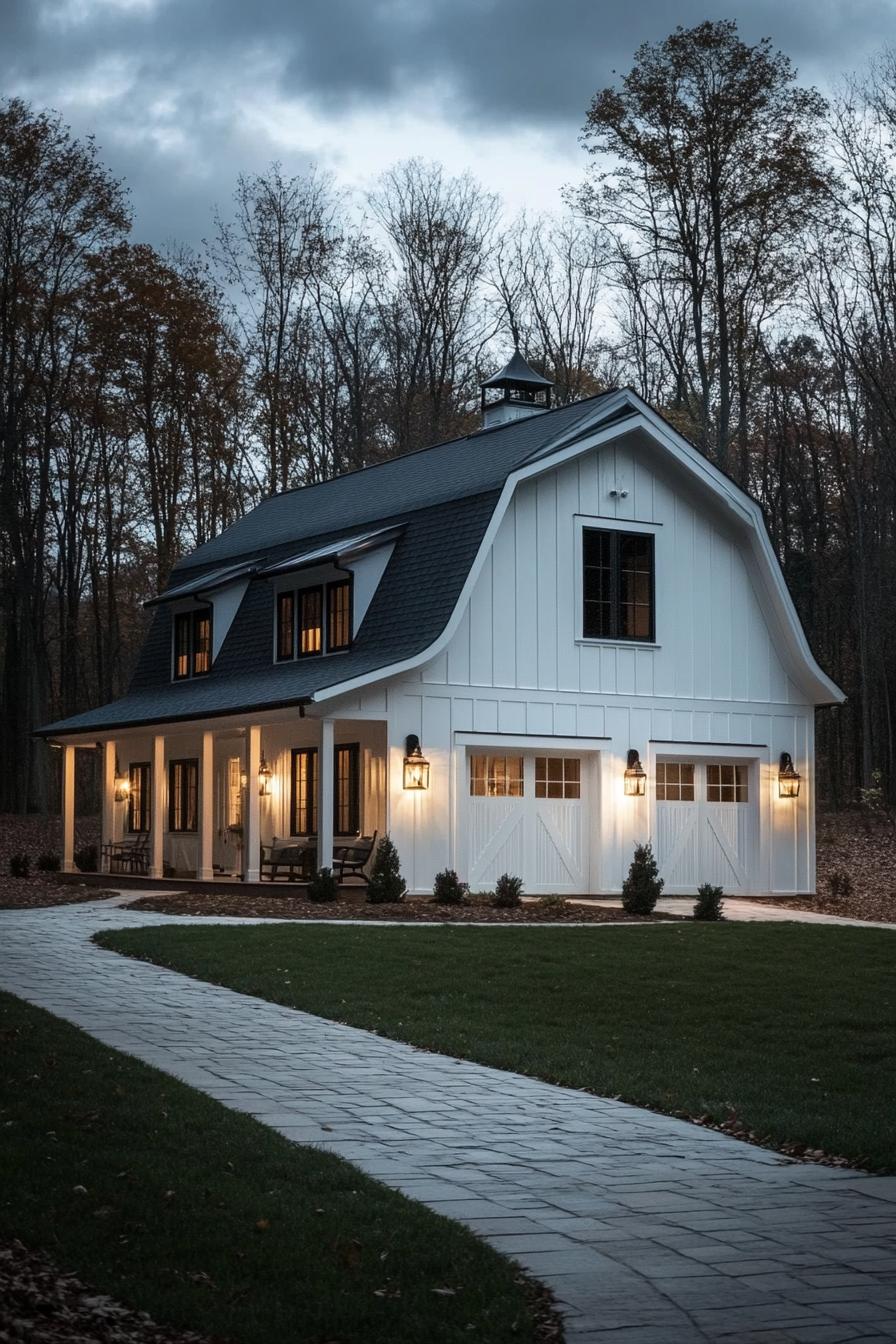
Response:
column 323, row 886
column 386, row 885
column 87, row 858
column 448, row 888
column 19, row 865
column 709, row 902
column 48, row 862
column 553, row 905
column 840, row 885
column 643, row 884
column 508, row 892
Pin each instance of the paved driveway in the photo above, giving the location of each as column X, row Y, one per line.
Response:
column 648, row 1229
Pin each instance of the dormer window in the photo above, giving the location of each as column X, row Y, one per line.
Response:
column 192, row 643
column 312, row 619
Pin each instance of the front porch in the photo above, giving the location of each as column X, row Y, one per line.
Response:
column 243, row 802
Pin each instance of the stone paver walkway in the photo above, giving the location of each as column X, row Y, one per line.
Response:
column 647, row 1229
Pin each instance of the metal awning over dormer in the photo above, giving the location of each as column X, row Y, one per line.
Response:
column 206, row 583
column 338, row 552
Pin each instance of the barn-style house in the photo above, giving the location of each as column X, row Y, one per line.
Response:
column 521, row 651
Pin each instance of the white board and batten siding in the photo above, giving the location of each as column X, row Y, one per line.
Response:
column 518, row 674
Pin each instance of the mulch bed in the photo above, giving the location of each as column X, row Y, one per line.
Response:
column 33, row 893
column 862, row 849
column 418, row 909
column 41, row 1305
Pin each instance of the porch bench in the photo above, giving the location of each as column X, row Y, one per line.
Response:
column 293, row 858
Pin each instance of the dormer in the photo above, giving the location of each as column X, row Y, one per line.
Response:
column 514, row 393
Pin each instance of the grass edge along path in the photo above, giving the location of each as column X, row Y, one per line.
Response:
column 783, row 1033
column 172, row 1204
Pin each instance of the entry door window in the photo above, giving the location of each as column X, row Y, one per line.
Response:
column 558, row 777
column 496, row 776
column 675, row 781
column 234, row 792
column 726, row 784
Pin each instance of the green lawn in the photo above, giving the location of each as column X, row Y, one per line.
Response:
column 792, row 1028
column 174, row 1205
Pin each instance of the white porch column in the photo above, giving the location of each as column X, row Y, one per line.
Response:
column 206, row 807
column 251, row 821
column 68, row 809
column 108, row 824
column 157, row 817
column 325, row 795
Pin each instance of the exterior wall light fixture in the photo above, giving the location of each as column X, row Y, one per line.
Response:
column 122, row 785
column 788, row 777
column 416, row 766
column 264, row 778
column 635, row 777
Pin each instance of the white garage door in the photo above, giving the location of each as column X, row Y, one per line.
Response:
column 707, row 824
column 528, row 815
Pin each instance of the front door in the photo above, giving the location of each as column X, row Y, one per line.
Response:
column 528, row 816
column 707, row 824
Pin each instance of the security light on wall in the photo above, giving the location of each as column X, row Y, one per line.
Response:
column 265, row 774
column 122, row 785
column 788, row 777
column 416, row 766
column 635, row 777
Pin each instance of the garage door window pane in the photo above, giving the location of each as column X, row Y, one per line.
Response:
column 496, row 776
column 674, row 782
column 557, row 777
column 726, row 783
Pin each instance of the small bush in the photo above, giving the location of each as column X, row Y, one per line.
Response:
column 323, row 886
column 87, row 859
column 386, row 885
column 48, row 862
column 840, row 886
column 19, row 865
column 448, row 888
column 553, row 905
column 508, row 892
column 709, row 902
column 643, row 885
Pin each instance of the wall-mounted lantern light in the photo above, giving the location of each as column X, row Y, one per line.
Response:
column 122, row 785
column 244, row 779
column 788, row 777
column 265, row 774
column 635, row 777
column 416, row 766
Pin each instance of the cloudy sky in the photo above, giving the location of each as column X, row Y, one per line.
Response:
column 184, row 94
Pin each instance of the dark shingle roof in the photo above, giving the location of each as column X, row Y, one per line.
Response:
column 443, row 497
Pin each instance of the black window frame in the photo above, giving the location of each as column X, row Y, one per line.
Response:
column 351, row 805
column 614, row 539
column 332, row 587
column 142, row 771
column 286, row 599
column 189, row 649
column 189, row 796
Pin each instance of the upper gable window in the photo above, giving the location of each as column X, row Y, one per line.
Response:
column 192, row 643
column 618, row 585
column 306, row 624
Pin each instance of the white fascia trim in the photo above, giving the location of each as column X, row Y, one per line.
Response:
column 586, row 436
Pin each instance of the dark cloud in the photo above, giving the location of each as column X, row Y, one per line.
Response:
column 165, row 83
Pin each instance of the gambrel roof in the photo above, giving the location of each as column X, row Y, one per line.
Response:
column 439, row 508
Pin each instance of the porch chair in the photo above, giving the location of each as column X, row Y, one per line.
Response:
column 356, row 858
column 288, row 857
column 129, row 856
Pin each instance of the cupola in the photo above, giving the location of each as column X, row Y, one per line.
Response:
column 514, row 393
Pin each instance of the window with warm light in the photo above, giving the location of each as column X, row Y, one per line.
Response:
column 726, row 784
column 139, row 796
column 339, row 615
column 192, row 643
column 183, row 795
column 312, row 619
column 234, row 792
column 674, row 782
column 496, row 776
